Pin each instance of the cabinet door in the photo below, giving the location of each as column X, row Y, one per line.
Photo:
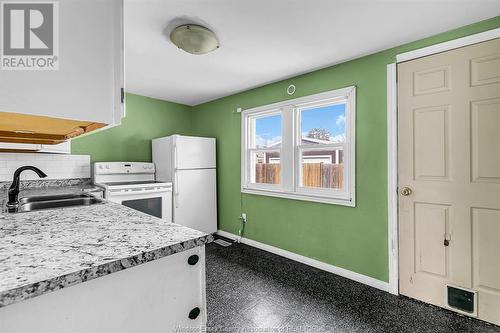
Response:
column 87, row 85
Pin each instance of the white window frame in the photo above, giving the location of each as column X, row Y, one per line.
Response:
column 291, row 147
column 250, row 150
column 328, row 157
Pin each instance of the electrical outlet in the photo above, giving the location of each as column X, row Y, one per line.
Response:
column 244, row 217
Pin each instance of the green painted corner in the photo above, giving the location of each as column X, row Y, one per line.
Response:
column 146, row 118
column 352, row 238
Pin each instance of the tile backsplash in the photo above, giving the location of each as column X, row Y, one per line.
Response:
column 56, row 166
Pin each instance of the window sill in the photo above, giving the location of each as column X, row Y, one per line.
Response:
column 301, row 196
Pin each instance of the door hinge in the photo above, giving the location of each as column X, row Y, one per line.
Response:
column 122, row 95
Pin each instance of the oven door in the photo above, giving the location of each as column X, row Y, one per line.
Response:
column 155, row 202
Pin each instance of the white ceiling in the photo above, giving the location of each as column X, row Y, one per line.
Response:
column 263, row 41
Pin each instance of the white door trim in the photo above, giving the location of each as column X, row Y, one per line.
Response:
column 392, row 177
column 392, row 139
column 449, row 45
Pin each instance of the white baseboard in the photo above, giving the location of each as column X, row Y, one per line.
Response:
column 311, row 262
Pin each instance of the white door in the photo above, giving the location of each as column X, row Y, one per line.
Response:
column 449, row 176
column 194, row 152
column 195, row 199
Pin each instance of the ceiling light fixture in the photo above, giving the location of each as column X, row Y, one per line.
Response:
column 194, row 39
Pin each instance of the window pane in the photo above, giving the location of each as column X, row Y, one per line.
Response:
column 325, row 125
column 267, row 132
column 322, row 168
column 266, row 167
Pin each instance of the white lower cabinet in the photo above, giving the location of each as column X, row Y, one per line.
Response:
column 153, row 297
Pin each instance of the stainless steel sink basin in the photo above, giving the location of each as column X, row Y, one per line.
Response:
column 28, row 204
column 26, row 200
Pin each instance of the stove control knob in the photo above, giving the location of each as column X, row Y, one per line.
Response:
column 100, row 167
column 107, row 166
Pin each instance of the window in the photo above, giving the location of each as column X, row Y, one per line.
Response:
column 302, row 149
column 265, row 149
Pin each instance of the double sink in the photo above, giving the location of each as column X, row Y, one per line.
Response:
column 28, row 204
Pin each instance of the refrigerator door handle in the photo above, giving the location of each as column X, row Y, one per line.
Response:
column 176, row 178
column 175, row 155
column 176, row 189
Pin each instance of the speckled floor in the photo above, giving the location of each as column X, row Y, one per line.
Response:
column 249, row 290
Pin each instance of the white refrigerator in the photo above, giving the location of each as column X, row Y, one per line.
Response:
column 189, row 163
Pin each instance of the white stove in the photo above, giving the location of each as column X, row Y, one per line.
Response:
column 133, row 184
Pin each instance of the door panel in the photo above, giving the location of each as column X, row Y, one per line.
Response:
column 195, row 199
column 486, row 248
column 194, row 152
column 431, row 224
column 449, row 156
column 431, row 81
column 486, row 260
column 485, row 70
column 430, row 131
column 485, row 117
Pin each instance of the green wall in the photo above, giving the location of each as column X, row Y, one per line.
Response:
column 146, row 118
column 351, row 238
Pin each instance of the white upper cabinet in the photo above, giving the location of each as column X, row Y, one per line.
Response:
column 87, row 85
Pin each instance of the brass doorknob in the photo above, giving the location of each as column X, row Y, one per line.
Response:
column 406, row 191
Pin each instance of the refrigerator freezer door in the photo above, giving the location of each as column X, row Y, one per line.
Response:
column 195, row 199
column 194, row 152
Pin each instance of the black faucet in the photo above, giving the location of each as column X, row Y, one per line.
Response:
column 14, row 188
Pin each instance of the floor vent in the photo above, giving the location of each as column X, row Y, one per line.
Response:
column 222, row 242
column 462, row 300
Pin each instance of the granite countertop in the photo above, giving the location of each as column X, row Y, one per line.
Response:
column 46, row 250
